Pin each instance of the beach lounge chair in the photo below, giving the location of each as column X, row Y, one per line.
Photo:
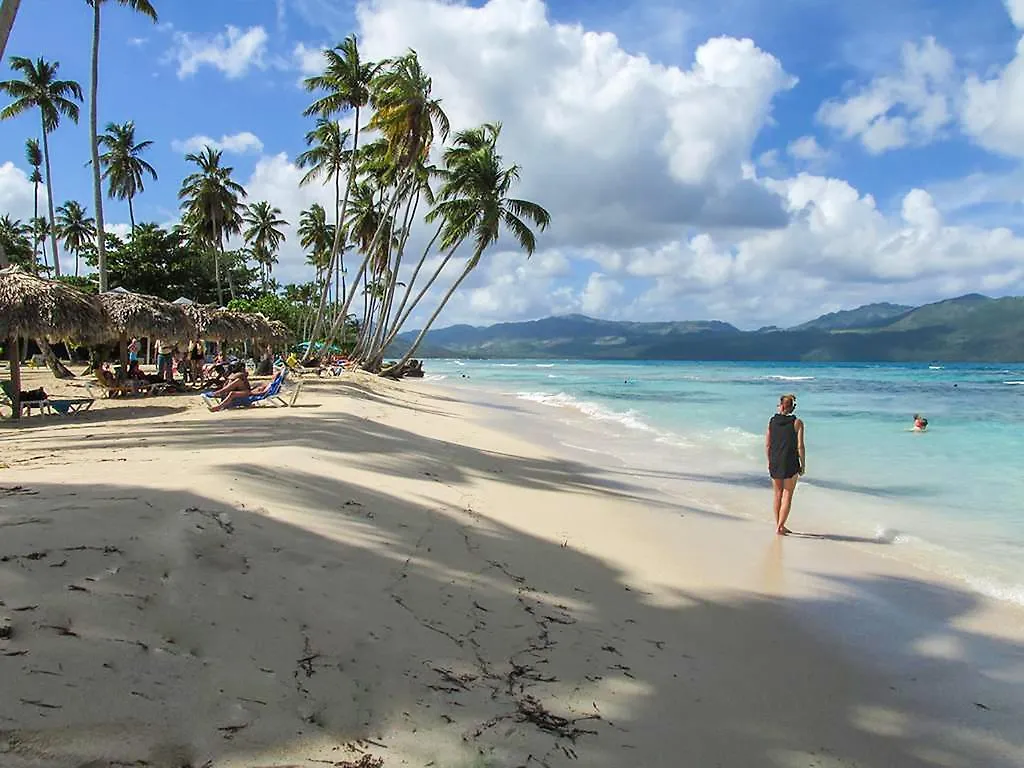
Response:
column 107, row 387
column 62, row 406
column 271, row 396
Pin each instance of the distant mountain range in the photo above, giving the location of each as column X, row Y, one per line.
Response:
column 970, row 328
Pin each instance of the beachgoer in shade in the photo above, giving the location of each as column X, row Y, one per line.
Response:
column 133, row 350
column 920, row 423
column 784, row 448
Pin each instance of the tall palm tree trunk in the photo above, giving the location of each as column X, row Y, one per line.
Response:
column 49, row 201
column 376, row 350
column 340, row 318
column 393, row 330
column 131, row 214
column 35, row 235
column 337, row 226
column 216, row 257
column 97, row 171
column 8, row 11
column 423, row 292
column 419, row 339
column 337, row 248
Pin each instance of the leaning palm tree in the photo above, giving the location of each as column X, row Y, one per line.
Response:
column 76, row 229
column 345, row 83
column 409, row 120
column 34, row 156
column 327, row 159
column 146, row 9
column 40, row 89
column 211, row 203
column 474, row 204
column 263, row 235
column 8, row 12
column 123, row 168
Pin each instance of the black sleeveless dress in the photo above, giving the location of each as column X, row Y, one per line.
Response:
column 783, row 457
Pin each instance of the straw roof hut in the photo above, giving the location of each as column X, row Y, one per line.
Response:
column 231, row 325
column 280, row 332
column 33, row 307
column 137, row 314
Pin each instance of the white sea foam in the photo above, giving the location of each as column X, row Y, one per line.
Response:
column 789, row 378
column 458, row 362
column 591, row 410
column 507, row 365
column 545, row 365
column 935, row 368
column 434, row 377
column 1014, row 383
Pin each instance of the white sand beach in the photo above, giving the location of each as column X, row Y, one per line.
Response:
column 379, row 576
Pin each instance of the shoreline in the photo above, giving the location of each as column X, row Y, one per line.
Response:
column 846, row 508
column 384, row 570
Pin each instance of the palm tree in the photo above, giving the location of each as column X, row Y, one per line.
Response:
column 15, row 242
column 409, row 119
column 211, row 202
column 40, row 89
column 40, row 229
column 327, row 158
column 8, row 12
column 34, row 156
column 345, row 82
column 76, row 229
column 474, row 204
column 122, row 167
column 139, row 6
column 263, row 235
column 316, row 236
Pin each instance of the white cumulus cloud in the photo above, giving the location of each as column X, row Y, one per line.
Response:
column 234, row 51
column 238, row 143
column 910, row 107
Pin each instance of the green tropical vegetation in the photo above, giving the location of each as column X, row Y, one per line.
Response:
column 380, row 181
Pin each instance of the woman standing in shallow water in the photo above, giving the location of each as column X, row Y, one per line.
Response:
column 784, row 448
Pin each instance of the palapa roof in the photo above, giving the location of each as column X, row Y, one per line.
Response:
column 138, row 314
column 34, row 307
column 280, row 331
column 231, row 325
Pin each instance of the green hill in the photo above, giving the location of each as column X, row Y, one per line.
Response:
column 970, row 328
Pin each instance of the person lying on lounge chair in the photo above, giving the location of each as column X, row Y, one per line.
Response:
column 237, row 388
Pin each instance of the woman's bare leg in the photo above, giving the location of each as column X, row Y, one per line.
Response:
column 788, row 487
column 227, row 401
column 777, row 501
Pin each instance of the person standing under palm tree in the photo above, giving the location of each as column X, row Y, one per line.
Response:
column 123, row 168
column 40, row 89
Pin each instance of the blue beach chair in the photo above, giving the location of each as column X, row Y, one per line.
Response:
column 271, row 396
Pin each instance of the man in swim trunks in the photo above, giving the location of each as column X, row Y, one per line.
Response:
column 784, row 449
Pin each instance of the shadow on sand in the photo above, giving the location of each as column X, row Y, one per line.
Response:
column 389, row 608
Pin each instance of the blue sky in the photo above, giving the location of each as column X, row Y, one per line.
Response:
column 748, row 161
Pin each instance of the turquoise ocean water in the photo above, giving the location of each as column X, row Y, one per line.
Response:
column 951, row 499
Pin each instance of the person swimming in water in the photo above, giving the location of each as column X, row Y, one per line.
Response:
column 784, row 448
column 920, row 423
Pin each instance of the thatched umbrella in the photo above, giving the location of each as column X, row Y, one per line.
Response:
column 33, row 307
column 138, row 314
